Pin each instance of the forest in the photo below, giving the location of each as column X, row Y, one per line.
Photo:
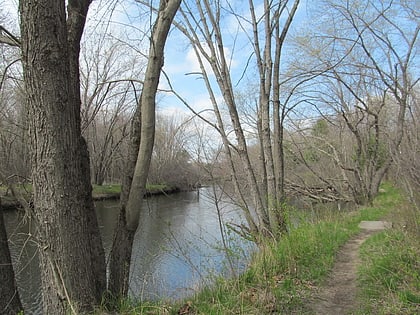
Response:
column 279, row 104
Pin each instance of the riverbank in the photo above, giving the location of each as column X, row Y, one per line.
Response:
column 286, row 276
column 112, row 192
column 99, row 192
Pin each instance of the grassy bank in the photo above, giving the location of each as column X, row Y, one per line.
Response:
column 115, row 189
column 389, row 276
column 283, row 275
column 99, row 192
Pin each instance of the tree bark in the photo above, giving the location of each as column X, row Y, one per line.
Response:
column 137, row 173
column 265, row 67
column 279, row 115
column 77, row 11
column 70, row 249
column 9, row 296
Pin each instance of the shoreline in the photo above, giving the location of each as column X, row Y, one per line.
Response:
column 9, row 203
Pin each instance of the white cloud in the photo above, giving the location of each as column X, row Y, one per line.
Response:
column 183, row 62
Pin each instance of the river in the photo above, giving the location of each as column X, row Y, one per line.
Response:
column 177, row 248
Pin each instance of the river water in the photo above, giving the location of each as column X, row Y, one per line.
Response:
column 177, row 249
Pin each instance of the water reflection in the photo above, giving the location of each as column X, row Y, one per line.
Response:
column 176, row 248
column 23, row 250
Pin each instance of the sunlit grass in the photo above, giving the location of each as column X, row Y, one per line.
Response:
column 129, row 307
column 389, row 276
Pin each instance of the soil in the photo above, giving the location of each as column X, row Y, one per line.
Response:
column 338, row 295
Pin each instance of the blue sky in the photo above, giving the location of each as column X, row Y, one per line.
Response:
column 180, row 60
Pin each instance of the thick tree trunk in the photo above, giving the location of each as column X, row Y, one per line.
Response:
column 134, row 189
column 9, row 296
column 76, row 17
column 69, row 243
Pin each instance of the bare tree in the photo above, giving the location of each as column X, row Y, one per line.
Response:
column 171, row 159
column 12, row 113
column 407, row 168
column 110, row 73
column 367, row 79
column 9, row 296
column 107, row 134
column 203, row 26
column 67, row 228
column 143, row 133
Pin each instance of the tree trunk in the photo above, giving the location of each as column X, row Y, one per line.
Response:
column 131, row 204
column 279, row 115
column 220, row 67
column 71, row 255
column 76, row 17
column 265, row 66
column 9, row 296
column 120, row 260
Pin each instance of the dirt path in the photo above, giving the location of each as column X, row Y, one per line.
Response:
column 337, row 296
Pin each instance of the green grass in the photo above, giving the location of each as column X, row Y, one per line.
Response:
column 113, row 189
column 97, row 190
column 116, row 188
column 153, row 188
column 389, row 276
column 129, row 307
column 23, row 188
column 283, row 275
column 7, row 197
column 106, row 189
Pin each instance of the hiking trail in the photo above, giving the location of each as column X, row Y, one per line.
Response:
column 338, row 294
